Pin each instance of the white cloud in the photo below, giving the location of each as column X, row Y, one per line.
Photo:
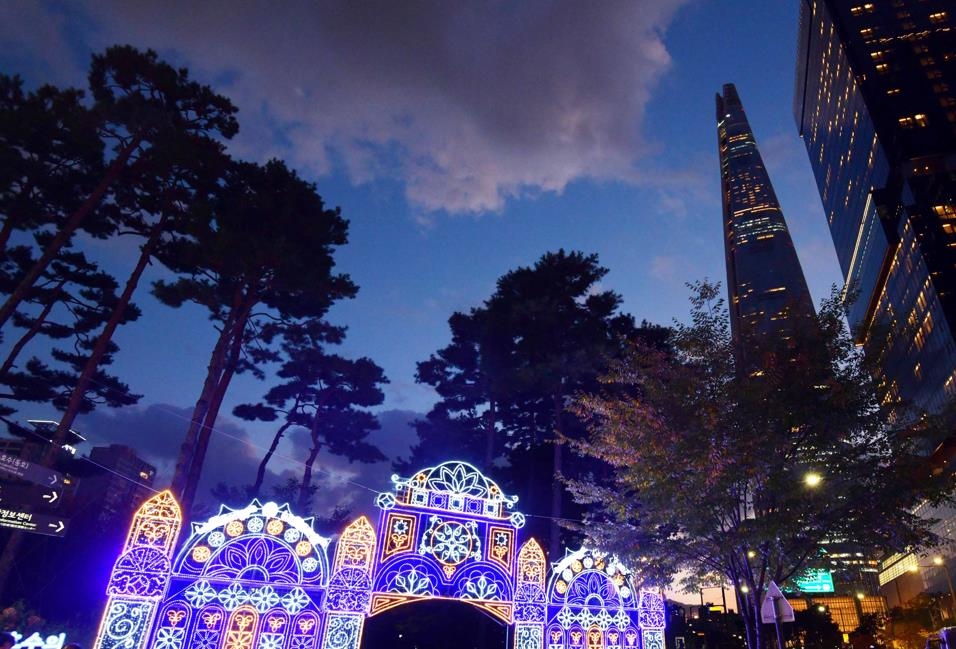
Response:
column 468, row 104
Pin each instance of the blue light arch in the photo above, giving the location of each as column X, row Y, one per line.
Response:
column 260, row 578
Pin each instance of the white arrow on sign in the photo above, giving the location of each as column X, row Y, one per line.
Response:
column 52, row 496
column 775, row 606
column 53, row 479
column 57, row 526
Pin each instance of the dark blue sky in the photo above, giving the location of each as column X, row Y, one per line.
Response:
column 461, row 140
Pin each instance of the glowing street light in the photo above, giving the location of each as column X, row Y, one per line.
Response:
column 938, row 561
column 812, row 479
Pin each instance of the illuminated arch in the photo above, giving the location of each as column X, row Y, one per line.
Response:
column 260, row 543
column 251, row 575
column 591, row 596
column 452, row 487
column 259, row 577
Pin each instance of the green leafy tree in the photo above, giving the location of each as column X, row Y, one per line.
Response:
column 909, row 627
column 870, row 633
column 71, row 302
column 332, row 419
column 139, row 104
column 513, row 365
column 264, row 258
column 84, row 294
column 51, row 156
column 164, row 181
column 813, row 629
column 709, row 463
column 324, row 394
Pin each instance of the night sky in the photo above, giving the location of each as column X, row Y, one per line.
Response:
column 461, row 140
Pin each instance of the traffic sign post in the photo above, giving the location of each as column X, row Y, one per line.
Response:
column 776, row 609
column 19, row 495
column 30, row 522
column 16, row 500
column 15, row 467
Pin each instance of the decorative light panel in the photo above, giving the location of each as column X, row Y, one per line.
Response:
column 259, row 577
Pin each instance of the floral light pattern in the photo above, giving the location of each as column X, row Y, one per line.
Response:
column 259, row 578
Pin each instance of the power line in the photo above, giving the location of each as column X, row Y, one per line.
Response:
column 84, row 458
column 320, row 472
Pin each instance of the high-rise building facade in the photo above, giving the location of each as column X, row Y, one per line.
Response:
column 875, row 103
column 768, row 295
column 119, row 481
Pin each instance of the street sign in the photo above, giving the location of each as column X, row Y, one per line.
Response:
column 21, row 496
column 775, row 607
column 815, row 581
column 35, row 523
column 13, row 466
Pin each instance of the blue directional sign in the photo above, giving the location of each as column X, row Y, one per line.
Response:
column 12, row 466
column 31, row 522
column 30, row 496
column 816, row 581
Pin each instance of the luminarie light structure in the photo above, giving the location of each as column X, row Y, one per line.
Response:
column 259, row 577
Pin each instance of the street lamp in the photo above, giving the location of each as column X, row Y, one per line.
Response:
column 938, row 561
column 812, row 479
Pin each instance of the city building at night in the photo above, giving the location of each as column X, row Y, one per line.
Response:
column 875, row 103
column 117, row 480
column 768, row 295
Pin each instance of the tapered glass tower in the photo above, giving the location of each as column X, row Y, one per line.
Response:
column 768, row 293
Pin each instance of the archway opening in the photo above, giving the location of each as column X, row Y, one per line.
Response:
column 435, row 624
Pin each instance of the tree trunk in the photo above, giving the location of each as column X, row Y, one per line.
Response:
column 215, row 403
column 490, row 418
column 261, row 472
column 213, row 371
column 556, row 504
column 66, row 232
column 305, row 489
column 758, row 626
column 557, row 491
column 734, row 576
column 103, row 341
column 5, row 231
column 32, row 331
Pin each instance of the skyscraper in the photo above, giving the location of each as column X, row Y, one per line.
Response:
column 875, row 103
column 768, row 293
